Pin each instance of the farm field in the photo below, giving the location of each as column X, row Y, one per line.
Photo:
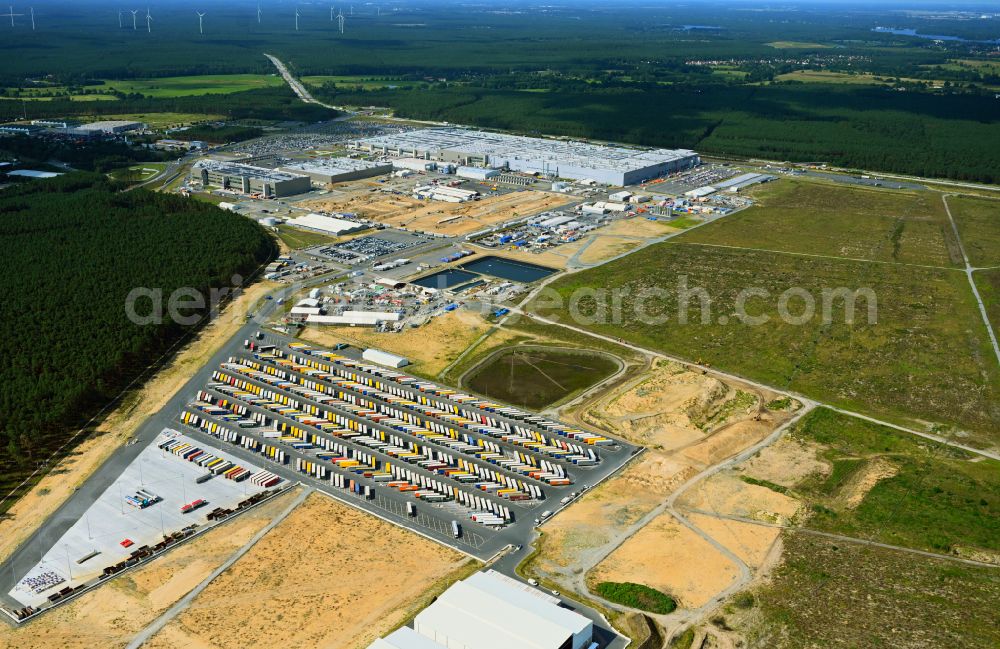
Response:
column 162, row 87
column 453, row 219
column 324, row 557
column 822, row 218
column 978, row 221
column 925, row 357
column 827, row 593
column 110, row 616
column 163, row 120
column 536, row 377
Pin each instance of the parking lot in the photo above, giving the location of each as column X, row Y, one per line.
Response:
column 115, row 526
column 418, row 452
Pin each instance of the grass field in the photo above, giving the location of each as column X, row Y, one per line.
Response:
column 822, row 218
column 988, row 283
column 792, row 45
column 978, row 221
column 925, row 356
column 829, row 76
column 166, row 120
column 138, row 172
column 937, row 500
column 295, row 238
column 535, row 377
column 162, row 87
column 366, row 82
column 832, row 594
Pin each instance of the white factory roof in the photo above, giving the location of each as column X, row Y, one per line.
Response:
column 384, row 358
column 325, row 223
column 701, row 192
column 369, row 318
column 405, row 638
column 235, row 168
column 486, row 612
column 334, row 165
column 109, row 125
column 500, row 147
column 31, row 173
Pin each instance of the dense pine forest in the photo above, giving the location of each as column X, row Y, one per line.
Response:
column 74, row 247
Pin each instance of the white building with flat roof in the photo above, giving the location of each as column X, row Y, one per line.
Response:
column 609, row 164
column 337, row 170
column 491, row 611
column 326, row 224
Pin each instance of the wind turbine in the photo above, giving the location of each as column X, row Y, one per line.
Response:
column 134, row 12
column 32, row 11
column 149, row 22
column 331, row 13
column 119, row 19
column 11, row 13
column 200, row 16
column 340, row 22
column 296, row 19
column 258, row 13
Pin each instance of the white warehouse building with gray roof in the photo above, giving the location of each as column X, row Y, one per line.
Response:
column 609, row 164
column 492, row 611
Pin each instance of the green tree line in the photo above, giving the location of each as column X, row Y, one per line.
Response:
column 74, row 248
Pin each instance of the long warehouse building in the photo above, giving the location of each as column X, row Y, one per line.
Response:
column 492, row 611
column 249, row 179
column 327, row 171
column 612, row 165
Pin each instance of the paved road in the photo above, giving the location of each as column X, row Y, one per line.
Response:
column 298, row 87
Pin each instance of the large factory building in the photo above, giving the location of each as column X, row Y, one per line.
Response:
column 248, row 179
column 612, row 165
column 326, row 171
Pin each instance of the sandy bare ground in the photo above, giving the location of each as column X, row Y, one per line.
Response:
column 29, row 512
column 436, row 216
column 112, row 614
column 430, row 347
column 874, row 471
column 787, row 462
column 727, row 494
column 669, row 557
column 327, row 576
column 599, row 245
column 688, row 421
column 749, row 542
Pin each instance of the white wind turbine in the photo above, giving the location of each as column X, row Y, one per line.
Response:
column 32, row 11
column 149, row 22
column 134, row 12
column 200, row 26
column 296, row 19
column 119, row 19
column 340, row 22
column 258, row 13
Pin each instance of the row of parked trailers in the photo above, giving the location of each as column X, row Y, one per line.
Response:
column 487, row 479
column 226, row 469
column 213, row 463
column 438, row 433
column 451, row 401
column 365, row 464
column 469, row 411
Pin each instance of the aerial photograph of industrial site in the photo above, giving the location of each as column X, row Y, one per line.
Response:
column 450, row 324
